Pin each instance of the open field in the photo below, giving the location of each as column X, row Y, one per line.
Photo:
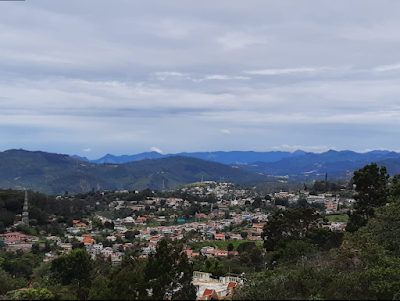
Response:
column 337, row 217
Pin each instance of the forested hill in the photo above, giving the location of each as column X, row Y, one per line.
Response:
column 56, row 173
column 338, row 164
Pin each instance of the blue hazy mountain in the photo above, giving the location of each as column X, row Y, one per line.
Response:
column 126, row 158
column 338, row 164
column 57, row 173
column 233, row 157
column 82, row 158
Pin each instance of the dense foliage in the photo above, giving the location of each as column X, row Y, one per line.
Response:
column 317, row 264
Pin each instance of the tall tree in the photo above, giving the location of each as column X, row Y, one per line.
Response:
column 372, row 192
column 168, row 273
column 74, row 268
column 291, row 223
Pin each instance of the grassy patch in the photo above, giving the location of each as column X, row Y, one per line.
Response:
column 337, row 217
column 107, row 214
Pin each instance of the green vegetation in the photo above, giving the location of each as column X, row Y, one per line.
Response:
column 76, row 276
column 337, row 217
column 312, row 263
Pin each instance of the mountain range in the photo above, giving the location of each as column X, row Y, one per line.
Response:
column 233, row 157
column 299, row 165
column 56, row 173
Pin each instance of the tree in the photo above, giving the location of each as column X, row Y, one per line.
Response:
column 257, row 203
column 290, row 223
column 109, row 225
column 246, row 246
column 32, row 294
column 126, row 283
column 47, row 247
column 8, row 283
column 372, row 192
column 35, row 248
column 230, row 247
column 70, row 222
column 130, row 234
column 168, row 273
column 74, row 267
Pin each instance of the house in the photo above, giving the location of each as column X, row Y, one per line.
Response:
column 88, row 240
column 55, row 239
column 111, row 238
column 210, row 253
column 81, row 226
column 219, row 236
column 49, row 256
column 220, row 253
column 189, row 253
column 259, row 226
column 73, row 230
column 236, row 237
column 129, row 220
column 204, row 250
column 107, row 251
column 141, row 220
column 16, row 237
column 144, row 234
column 66, row 246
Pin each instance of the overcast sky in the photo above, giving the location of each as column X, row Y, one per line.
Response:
column 124, row 77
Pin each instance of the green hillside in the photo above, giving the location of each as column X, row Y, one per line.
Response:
column 56, row 173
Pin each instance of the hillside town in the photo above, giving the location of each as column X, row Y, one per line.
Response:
column 209, row 225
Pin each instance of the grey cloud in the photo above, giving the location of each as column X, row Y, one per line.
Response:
column 93, row 68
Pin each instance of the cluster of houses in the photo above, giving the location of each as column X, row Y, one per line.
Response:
column 18, row 241
column 333, row 203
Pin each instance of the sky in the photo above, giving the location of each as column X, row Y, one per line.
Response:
column 91, row 77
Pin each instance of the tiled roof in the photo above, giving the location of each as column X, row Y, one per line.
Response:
column 207, row 292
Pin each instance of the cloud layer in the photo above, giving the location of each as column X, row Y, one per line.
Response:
column 124, row 76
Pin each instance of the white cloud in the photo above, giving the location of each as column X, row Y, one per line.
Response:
column 224, row 77
column 178, row 71
column 387, row 68
column 306, row 148
column 87, row 150
column 226, row 132
column 171, row 75
column 157, row 150
column 285, row 71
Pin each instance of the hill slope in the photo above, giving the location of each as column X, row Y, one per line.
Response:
column 57, row 173
column 338, row 164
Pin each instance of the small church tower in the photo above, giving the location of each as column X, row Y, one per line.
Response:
column 25, row 218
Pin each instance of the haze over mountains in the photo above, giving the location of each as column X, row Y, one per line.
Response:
column 233, row 157
column 299, row 165
column 56, row 173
